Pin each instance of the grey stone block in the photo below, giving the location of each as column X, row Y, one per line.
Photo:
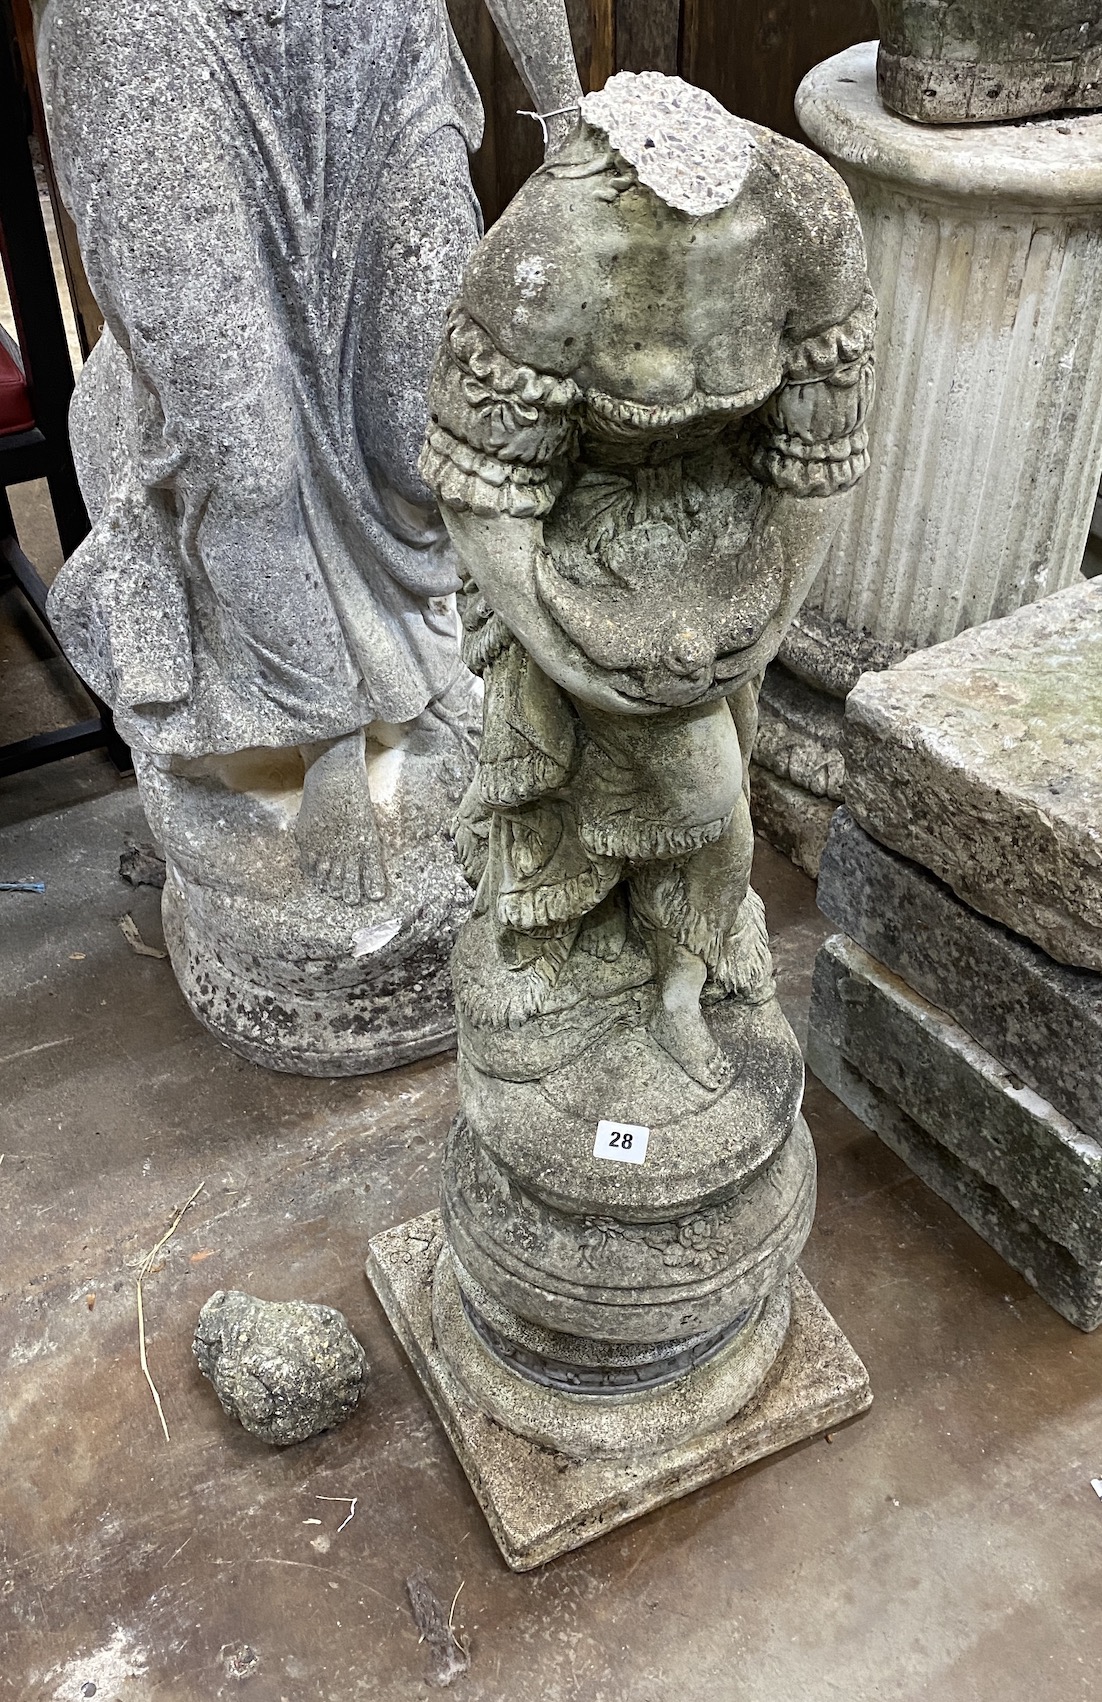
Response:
column 1040, row 1019
column 790, row 818
column 944, row 63
column 1070, row 1288
column 800, row 734
column 1047, row 1170
column 981, row 759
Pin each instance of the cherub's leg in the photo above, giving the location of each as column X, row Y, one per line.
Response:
column 692, row 909
column 677, row 1022
column 338, row 840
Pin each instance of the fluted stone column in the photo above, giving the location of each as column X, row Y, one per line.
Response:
column 985, row 253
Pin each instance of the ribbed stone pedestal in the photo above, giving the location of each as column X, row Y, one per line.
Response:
column 985, row 253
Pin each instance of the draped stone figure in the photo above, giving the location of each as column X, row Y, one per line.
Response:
column 274, row 207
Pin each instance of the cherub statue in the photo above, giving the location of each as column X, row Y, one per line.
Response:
column 647, row 411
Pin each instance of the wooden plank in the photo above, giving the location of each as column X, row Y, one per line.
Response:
column 602, row 55
column 753, row 54
column 647, row 33
column 513, row 146
column 89, row 319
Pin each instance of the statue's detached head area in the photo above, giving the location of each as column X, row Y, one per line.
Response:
column 681, row 143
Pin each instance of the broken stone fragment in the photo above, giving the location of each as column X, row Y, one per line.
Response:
column 285, row 1369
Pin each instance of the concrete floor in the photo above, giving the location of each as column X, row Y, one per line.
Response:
column 944, row 1546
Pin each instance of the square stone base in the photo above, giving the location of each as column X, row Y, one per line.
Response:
column 540, row 1505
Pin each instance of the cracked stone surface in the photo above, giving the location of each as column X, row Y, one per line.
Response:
column 981, row 760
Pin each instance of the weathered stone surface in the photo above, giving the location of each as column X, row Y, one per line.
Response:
column 985, row 457
column 295, row 978
column 286, row 1369
column 541, row 1504
column 274, row 208
column 798, row 768
column 1072, row 1288
column 985, row 461
column 1048, row 1171
column 981, row 760
column 800, row 734
column 639, row 495
column 947, row 63
column 793, row 820
column 826, row 657
column 1040, row 1019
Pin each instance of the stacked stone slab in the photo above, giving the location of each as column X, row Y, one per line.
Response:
column 959, row 1011
column 984, row 241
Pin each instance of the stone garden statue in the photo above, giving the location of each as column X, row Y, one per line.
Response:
column 645, row 419
column 274, row 206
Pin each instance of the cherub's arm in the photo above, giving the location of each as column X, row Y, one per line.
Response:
column 501, row 552
column 499, row 438
column 809, row 448
column 537, row 34
column 811, row 438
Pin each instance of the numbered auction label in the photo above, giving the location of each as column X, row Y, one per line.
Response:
column 623, row 1143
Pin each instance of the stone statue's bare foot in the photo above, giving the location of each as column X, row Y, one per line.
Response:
column 677, row 1024
column 338, row 840
column 685, row 1036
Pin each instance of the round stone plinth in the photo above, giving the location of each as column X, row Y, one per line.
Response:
column 704, row 1142
column 620, row 1421
column 592, row 1275
column 985, row 254
column 299, row 999
column 286, row 973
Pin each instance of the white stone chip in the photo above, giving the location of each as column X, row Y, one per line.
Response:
column 369, row 940
column 685, row 146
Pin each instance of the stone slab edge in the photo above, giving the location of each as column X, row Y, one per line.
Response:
column 1047, row 1169
column 926, row 785
column 1073, row 1290
column 541, row 1505
column 1036, row 1016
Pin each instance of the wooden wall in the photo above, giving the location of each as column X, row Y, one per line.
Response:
column 751, row 54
